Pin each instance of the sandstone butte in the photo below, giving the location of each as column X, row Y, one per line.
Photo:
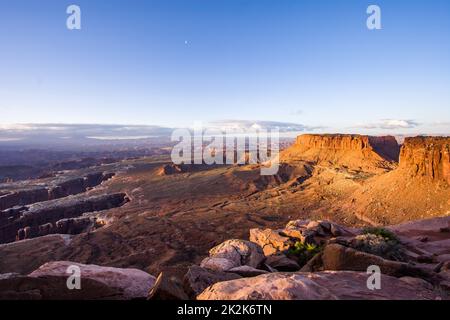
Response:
column 420, row 156
column 401, row 183
column 352, row 151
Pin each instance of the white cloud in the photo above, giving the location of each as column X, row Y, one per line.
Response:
column 17, row 131
column 390, row 124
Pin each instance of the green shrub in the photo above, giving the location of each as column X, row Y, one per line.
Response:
column 303, row 252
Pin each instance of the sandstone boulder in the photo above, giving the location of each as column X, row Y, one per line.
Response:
column 314, row 264
column 166, row 288
column 133, row 283
column 314, row 232
column 240, row 252
column 420, row 227
column 246, row 271
column 417, row 282
column 297, row 224
column 218, row 264
column 337, row 257
column 198, row 279
column 345, row 285
column 20, row 287
column 270, row 240
column 282, row 263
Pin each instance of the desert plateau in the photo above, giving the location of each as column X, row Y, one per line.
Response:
column 338, row 204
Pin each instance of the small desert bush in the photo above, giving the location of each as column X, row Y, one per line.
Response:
column 303, row 252
column 382, row 232
column 380, row 242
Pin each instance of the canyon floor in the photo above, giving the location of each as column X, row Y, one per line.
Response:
column 160, row 217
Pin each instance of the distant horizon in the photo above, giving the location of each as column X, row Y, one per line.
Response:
column 124, row 132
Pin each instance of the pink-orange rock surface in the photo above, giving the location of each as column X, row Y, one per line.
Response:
column 427, row 157
column 49, row 282
column 353, row 151
column 329, row 285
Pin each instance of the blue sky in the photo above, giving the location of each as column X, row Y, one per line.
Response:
column 173, row 62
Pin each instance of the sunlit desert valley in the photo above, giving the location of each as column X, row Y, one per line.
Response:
column 141, row 227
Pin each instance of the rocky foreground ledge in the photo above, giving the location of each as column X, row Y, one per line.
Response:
column 317, row 260
column 49, row 282
column 322, row 260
